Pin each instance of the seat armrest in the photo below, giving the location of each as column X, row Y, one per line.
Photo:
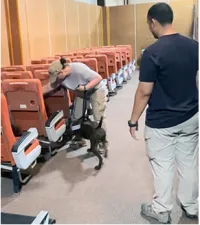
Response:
column 54, row 118
column 25, row 140
column 54, row 132
column 27, row 149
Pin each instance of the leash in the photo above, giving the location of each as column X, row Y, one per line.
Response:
column 84, row 105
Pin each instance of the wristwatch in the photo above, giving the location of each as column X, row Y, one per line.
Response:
column 133, row 125
column 85, row 89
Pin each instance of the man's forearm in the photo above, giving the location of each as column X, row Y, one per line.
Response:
column 140, row 104
column 47, row 88
column 93, row 83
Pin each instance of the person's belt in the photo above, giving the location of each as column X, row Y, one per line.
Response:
column 88, row 94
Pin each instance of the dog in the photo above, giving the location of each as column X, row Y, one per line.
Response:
column 94, row 132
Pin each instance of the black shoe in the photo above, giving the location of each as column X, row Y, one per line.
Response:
column 190, row 216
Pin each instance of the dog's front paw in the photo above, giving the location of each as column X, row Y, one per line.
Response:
column 106, row 153
column 89, row 150
column 97, row 167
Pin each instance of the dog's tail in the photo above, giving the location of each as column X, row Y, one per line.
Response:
column 100, row 123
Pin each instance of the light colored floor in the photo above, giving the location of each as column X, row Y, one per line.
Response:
column 72, row 192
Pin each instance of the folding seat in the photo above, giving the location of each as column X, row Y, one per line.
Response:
column 112, row 67
column 35, row 67
column 102, row 63
column 27, row 109
column 59, row 101
column 17, row 75
column 108, row 46
column 49, row 60
column 17, row 154
column 45, row 60
column 90, row 62
column 13, row 68
column 121, row 77
column 83, row 52
column 125, row 64
column 36, row 61
column 76, row 57
column 64, row 54
column 131, row 61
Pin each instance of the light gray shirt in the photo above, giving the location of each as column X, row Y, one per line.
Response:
column 81, row 75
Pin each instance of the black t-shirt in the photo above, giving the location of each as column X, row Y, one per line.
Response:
column 172, row 64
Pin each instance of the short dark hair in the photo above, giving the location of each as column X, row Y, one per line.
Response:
column 161, row 12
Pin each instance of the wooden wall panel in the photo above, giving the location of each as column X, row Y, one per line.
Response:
column 5, row 55
column 57, row 26
column 83, row 16
column 100, row 26
column 38, row 28
column 143, row 36
column 14, row 31
column 93, row 23
column 122, row 25
column 24, row 32
column 183, row 16
column 72, row 24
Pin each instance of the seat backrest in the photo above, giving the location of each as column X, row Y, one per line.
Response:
column 108, row 46
column 36, row 61
column 64, row 55
column 59, row 100
column 112, row 60
column 42, row 75
column 49, row 60
column 118, row 55
column 26, row 104
column 76, row 57
column 90, row 62
column 82, row 52
column 129, row 51
column 102, row 62
column 33, row 68
column 124, row 55
column 7, row 137
column 17, row 75
column 13, row 68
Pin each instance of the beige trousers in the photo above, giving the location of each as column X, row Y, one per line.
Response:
column 98, row 101
column 167, row 147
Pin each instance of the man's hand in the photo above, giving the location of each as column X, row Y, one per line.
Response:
column 80, row 88
column 132, row 132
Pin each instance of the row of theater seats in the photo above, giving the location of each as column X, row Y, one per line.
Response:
column 41, row 122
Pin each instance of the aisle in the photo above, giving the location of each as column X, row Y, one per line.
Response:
column 72, row 192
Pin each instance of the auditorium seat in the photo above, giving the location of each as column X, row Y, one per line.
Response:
column 82, row 52
column 17, row 153
column 59, row 100
column 27, row 108
column 102, row 63
column 35, row 67
column 121, row 77
column 129, row 57
column 45, row 60
column 112, row 62
column 49, row 60
column 64, row 55
column 90, row 62
column 13, row 68
column 16, row 75
column 76, row 57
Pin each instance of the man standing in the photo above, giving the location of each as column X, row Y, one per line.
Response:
column 168, row 85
